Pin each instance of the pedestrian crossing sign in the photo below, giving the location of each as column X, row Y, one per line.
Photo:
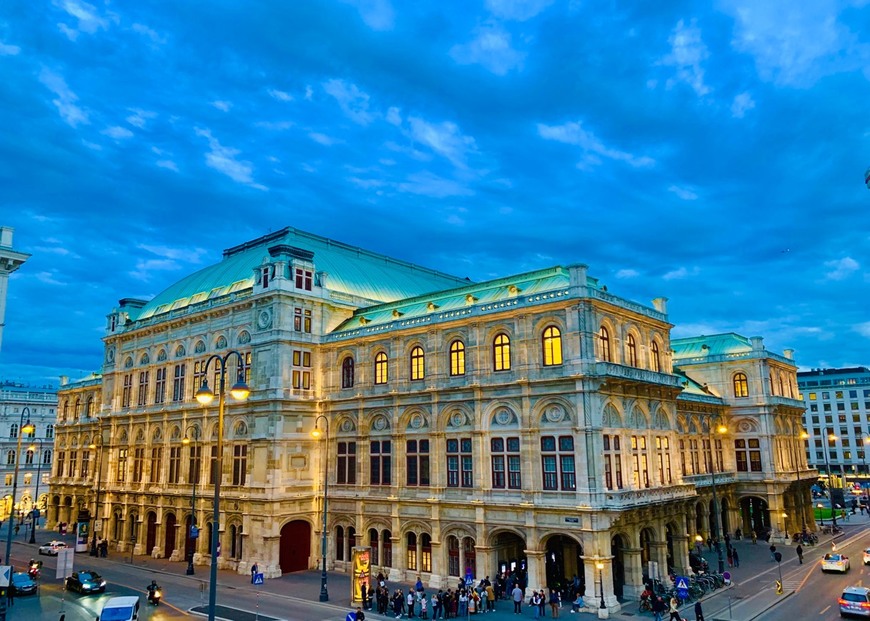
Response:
column 682, row 584
column 258, row 578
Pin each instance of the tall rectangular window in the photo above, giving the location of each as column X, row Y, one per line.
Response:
column 754, row 455
column 417, row 462
column 303, row 279
column 127, row 390
column 174, row 464
column 380, row 462
column 301, row 375
column 195, row 464
column 178, row 384
column 639, row 461
column 346, row 463
column 460, row 463
column 73, row 464
column 138, row 464
column 506, row 463
column 121, row 472
column 741, row 456
column 61, row 458
column 86, row 464
column 212, row 469
column 240, row 463
column 199, row 375
column 160, row 386
column 156, row 464
column 557, row 460
column 612, row 462
column 663, row 458
column 143, row 388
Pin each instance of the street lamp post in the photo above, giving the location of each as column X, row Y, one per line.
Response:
column 602, row 607
column 784, row 524
column 22, row 429
column 98, row 450
column 240, row 392
column 194, row 479
column 35, row 511
column 830, row 437
column 324, row 592
column 716, row 515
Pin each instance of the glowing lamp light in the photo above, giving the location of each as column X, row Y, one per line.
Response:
column 239, row 391
column 204, row 395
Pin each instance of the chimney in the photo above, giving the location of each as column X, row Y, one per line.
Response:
column 578, row 274
column 757, row 343
column 6, row 236
column 788, row 353
column 661, row 305
column 64, row 380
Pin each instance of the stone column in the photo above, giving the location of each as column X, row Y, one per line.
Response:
column 659, row 553
column 633, row 586
column 602, row 580
column 439, row 570
column 397, row 571
column 681, row 554
column 536, row 571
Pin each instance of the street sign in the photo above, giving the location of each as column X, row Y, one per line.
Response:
column 65, row 558
column 98, row 525
column 682, row 585
column 778, row 557
column 258, row 579
column 351, row 616
column 5, row 575
column 194, row 532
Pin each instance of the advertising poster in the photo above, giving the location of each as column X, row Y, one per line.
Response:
column 362, row 573
column 82, row 531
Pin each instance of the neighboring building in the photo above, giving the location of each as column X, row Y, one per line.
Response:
column 535, row 423
column 10, row 260
column 837, row 402
column 18, row 405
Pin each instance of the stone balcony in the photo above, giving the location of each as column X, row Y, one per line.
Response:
column 625, row 498
column 706, row 480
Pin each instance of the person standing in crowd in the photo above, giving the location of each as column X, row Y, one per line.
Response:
column 699, row 612
column 517, row 596
column 735, row 557
column 800, row 554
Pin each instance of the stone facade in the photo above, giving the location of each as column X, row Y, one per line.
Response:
column 536, row 424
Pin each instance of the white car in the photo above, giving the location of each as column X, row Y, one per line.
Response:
column 51, row 547
column 835, row 562
column 867, row 556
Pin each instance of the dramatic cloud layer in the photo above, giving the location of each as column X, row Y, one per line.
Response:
column 711, row 153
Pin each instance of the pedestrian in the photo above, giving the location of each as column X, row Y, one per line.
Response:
column 800, row 553
column 674, row 610
column 360, row 615
column 490, row 597
column 536, row 604
column 517, row 596
column 255, row 570
column 730, row 557
column 554, row 603
column 772, row 552
column 710, row 544
column 699, row 613
column 738, row 534
column 658, row 608
column 754, row 537
column 419, row 586
column 736, row 557
column 423, row 605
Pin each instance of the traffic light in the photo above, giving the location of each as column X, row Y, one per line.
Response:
column 778, row 587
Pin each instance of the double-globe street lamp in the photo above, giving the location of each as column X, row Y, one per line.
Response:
column 317, row 433
column 716, row 513
column 204, row 395
column 195, row 462
column 23, row 428
column 97, row 447
column 34, row 513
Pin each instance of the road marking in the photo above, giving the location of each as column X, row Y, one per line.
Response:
column 825, row 610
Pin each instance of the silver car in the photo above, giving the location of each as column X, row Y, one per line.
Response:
column 855, row 600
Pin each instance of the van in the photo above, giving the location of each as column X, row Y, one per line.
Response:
column 120, row 609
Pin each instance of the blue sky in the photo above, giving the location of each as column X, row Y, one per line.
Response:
column 712, row 153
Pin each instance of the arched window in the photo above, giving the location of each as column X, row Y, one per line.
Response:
column 552, row 346
column 89, row 407
column 46, row 456
column 351, row 540
column 13, row 430
column 631, row 351
column 381, row 375
column 77, row 412
column 412, row 551
column 457, row 358
column 655, row 357
column 373, row 544
column 387, row 545
column 339, row 543
column 781, row 386
column 49, row 432
column 28, row 457
column 426, row 552
column 347, row 372
column 418, row 363
column 741, row 385
column 65, row 411
column 10, row 458
column 604, row 344
column 501, row 353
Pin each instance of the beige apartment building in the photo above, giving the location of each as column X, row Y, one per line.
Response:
column 535, row 424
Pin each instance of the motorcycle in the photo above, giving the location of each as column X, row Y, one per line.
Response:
column 33, row 570
column 154, row 596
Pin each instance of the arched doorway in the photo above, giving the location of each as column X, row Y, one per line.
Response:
column 169, row 539
column 699, row 520
column 563, row 561
column 295, row 547
column 725, row 523
column 510, row 551
column 755, row 516
column 647, row 536
column 669, row 538
column 151, row 532
column 617, row 545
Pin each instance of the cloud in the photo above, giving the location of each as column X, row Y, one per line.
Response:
column 49, row 278
column 149, row 33
column 280, row 95
column 687, row 53
column 432, row 185
column 394, row 116
column 490, row 48
column 58, row 250
column 223, row 159
column 309, row 93
column 519, row 10
column 627, row 273
column 352, row 101
column 66, row 99
column 9, row 50
column 167, row 164
column 326, row 141
column 443, row 138
column 684, row 193
column 742, row 103
column 681, row 273
column 223, row 106
column 863, row 329
column 145, row 268
column 89, row 19
column 140, row 117
column 841, row 268
column 118, row 133
column 573, row 133
column 188, row 255
column 377, row 14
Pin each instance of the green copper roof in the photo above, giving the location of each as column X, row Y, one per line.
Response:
column 712, row 345
column 352, row 271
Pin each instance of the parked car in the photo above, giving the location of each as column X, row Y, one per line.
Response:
column 51, row 547
column 86, row 582
column 23, row 584
column 867, row 556
column 855, row 600
column 835, row 562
